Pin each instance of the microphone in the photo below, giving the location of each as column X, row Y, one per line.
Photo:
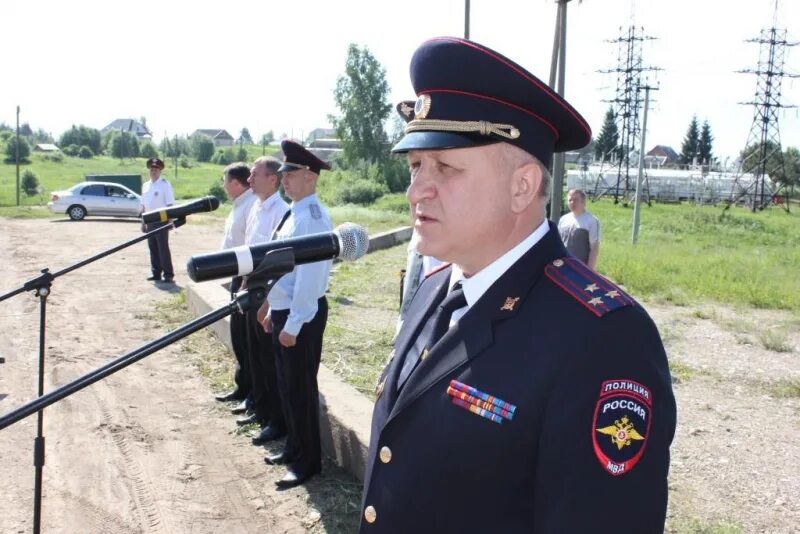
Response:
column 348, row 241
column 181, row 210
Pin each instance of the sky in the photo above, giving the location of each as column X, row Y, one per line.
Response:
column 268, row 65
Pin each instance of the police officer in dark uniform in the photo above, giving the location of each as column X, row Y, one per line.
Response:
column 298, row 313
column 526, row 393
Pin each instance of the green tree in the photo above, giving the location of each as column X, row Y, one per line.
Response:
column 124, row 145
column 267, row 138
column 361, row 95
column 11, row 150
column 705, row 148
column 29, row 183
column 148, row 150
column 85, row 152
column 780, row 166
column 175, row 146
column 791, row 161
column 607, row 143
column 202, row 147
column 82, row 135
column 691, row 142
column 245, row 137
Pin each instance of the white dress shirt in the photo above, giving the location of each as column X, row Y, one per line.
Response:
column 300, row 290
column 476, row 285
column 263, row 218
column 236, row 223
column 157, row 195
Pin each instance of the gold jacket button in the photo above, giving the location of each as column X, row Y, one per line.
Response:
column 370, row 514
column 386, row 455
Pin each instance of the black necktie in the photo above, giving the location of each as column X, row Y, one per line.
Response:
column 433, row 331
column 280, row 224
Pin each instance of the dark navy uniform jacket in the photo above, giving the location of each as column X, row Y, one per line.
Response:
column 586, row 448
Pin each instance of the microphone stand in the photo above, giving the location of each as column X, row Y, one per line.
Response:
column 41, row 287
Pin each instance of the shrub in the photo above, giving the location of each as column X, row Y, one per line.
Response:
column 11, row 150
column 85, row 152
column 360, row 191
column 56, row 157
column 396, row 202
column 223, row 157
column 218, row 192
column 71, row 150
column 29, row 183
column 185, row 162
column 148, row 150
column 202, row 147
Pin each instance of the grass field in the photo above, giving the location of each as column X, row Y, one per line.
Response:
column 686, row 253
column 53, row 176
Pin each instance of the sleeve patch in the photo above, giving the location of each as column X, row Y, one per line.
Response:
column 316, row 213
column 594, row 292
column 621, row 424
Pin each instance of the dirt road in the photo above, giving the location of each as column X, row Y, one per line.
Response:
column 148, row 449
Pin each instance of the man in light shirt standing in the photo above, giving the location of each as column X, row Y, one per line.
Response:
column 265, row 216
column 234, row 181
column 580, row 230
column 296, row 313
column 157, row 194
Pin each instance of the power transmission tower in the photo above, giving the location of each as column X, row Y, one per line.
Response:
column 627, row 105
column 763, row 146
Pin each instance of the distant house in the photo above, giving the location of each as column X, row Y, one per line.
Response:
column 321, row 133
column 137, row 128
column 661, row 156
column 220, row 137
column 45, row 147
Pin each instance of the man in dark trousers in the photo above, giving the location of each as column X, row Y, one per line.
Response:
column 526, row 393
column 234, row 181
column 157, row 194
column 296, row 313
column 265, row 216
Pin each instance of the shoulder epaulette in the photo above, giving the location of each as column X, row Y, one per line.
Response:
column 437, row 269
column 597, row 294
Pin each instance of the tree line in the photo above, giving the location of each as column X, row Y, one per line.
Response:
column 697, row 148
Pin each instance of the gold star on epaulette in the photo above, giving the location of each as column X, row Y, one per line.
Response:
column 509, row 304
column 613, row 293
column 595, row 301
column 591, row 288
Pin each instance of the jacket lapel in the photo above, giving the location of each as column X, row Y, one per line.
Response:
column 474, row 332
column 416, row 317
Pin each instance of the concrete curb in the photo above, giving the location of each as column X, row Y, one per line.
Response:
column 345, row 414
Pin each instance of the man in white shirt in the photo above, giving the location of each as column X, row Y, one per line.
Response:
column 234, row 181
column 265, row 216
column 580, row 230
column 157, row 194
column 297, row 315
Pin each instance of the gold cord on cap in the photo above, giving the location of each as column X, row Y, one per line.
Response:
column 506, row 131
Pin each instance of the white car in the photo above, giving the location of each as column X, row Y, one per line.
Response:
column 95, row 198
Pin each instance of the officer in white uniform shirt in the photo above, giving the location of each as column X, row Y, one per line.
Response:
column 234, row 181
column 265, row 216
column 157, row 194
column 298, row 312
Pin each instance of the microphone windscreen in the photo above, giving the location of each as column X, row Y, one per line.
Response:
column 353, row 240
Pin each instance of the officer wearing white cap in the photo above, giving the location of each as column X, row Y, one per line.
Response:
column 526, row 393
column 157, row 193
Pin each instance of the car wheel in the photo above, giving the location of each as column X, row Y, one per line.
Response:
column 76, row 213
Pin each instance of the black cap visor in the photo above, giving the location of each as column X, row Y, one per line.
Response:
column 440, row 141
